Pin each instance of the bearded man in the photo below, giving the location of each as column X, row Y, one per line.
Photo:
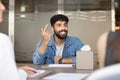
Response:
column 58, row 48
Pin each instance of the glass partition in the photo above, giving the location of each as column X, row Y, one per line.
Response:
column 88, row 20
column 30, row 16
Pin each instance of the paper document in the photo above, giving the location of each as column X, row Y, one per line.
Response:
column 39, row 72
column 67, row 76
column 60, row 65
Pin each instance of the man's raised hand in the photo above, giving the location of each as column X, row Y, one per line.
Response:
column 45, row 34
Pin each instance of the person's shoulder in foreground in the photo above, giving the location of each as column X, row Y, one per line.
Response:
column 108, row 73
column 2, row 35
column 8, row 64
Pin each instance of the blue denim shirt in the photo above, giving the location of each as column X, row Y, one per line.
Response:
column 72, row 44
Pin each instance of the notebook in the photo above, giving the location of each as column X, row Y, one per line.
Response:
column 66, row 76
column 61, row 65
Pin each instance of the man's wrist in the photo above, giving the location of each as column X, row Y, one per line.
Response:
column 60, row 61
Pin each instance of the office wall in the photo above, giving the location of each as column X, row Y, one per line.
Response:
column 27, row 30
column 90, row 30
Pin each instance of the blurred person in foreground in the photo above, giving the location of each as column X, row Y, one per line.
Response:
column 8, row 68
column 108, row 56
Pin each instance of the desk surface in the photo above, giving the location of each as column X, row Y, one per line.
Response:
column 55, row 70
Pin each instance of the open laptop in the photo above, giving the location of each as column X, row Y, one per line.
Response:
column 84, row 60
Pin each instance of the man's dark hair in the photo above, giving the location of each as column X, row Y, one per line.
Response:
column 58, row 17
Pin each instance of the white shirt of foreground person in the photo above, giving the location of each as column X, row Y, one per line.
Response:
column 8, row 69
column 108, row 73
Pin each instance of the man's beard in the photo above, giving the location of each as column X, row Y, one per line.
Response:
column 61, row 36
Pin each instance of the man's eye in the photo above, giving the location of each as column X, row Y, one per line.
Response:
column 58, row 25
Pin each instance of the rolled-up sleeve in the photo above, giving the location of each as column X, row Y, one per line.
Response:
column 38, row 58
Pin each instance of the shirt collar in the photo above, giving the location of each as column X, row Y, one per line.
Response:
column 68, row 41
